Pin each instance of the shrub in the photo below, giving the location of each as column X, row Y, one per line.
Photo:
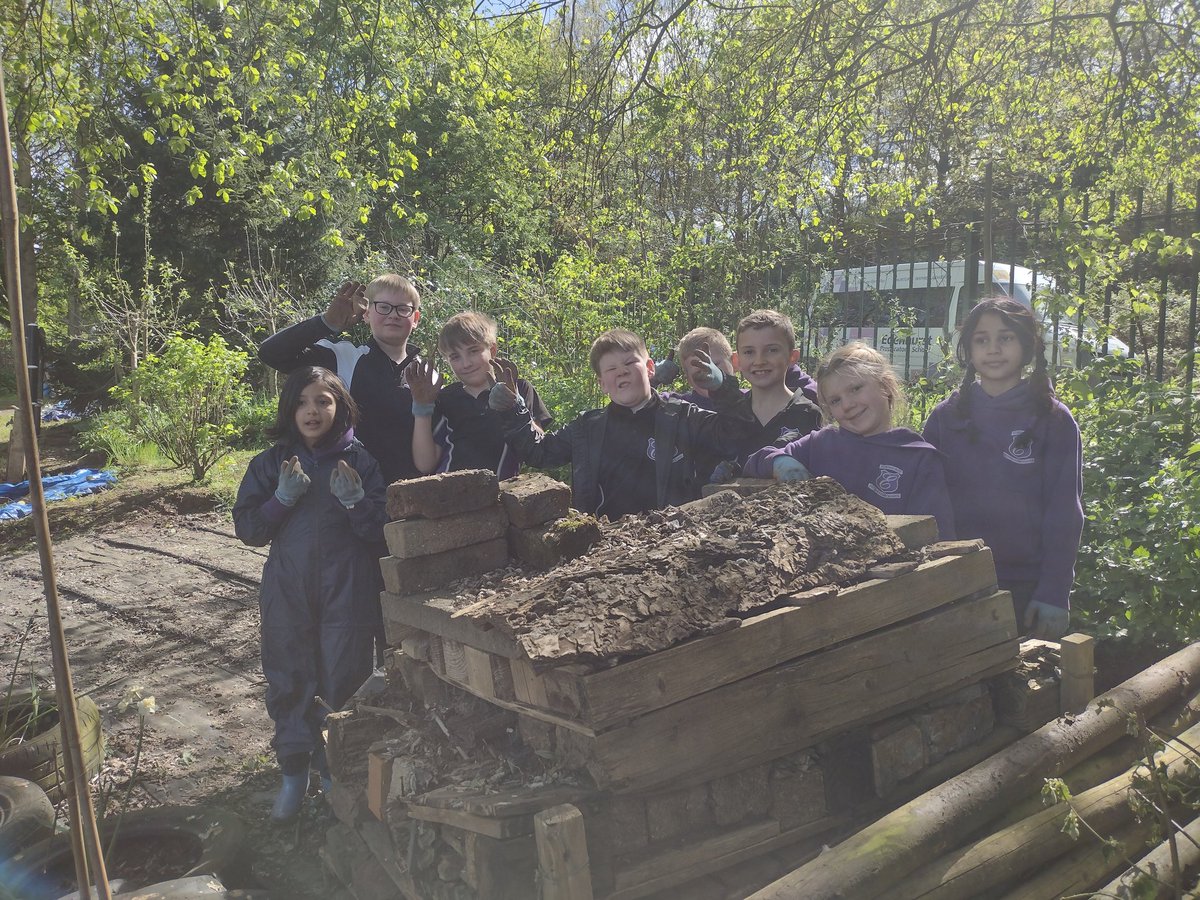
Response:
column 183, row 399
column 111, row 433
column 252, row 418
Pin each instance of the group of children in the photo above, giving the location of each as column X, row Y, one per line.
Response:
column 999, row 460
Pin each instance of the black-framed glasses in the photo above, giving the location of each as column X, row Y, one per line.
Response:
column 403, row 310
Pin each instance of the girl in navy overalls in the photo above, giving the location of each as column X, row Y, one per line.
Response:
column 318, row 499
column 893, row 468
column 1014, row 462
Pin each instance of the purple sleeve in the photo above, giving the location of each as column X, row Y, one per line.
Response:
column 274, row 511
column 932, row 432
column 799, row 380
column 930, row 496
column 1062, row 517
column 761, row 464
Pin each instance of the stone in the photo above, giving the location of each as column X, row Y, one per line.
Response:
column 797, row 788
column 423, row 537
column 422, row 573
column 957, row 721
column 438, row 496
column 896, row 755
column 534, row 499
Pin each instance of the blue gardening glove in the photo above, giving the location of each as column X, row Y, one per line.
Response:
column 705, row 373
column 665, row 372
column 724, row 472
column 502, row 398
column 788, row 468
column 1044, row 621
column 292, row 482
column 346, row 484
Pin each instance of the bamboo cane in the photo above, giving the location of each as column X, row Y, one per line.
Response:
column 85, row 839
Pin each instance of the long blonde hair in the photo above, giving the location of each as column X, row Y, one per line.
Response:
column 856, row 359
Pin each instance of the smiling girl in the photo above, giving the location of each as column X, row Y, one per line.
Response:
column 1014, row 462
column 320, row 583
column 892, row 468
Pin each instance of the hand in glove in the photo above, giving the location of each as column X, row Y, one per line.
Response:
column 704, row 371
column 724, row 472
column 665, row 372
column 1045, row 621
column 418, row 375
column 503, row 396
column 292, row 482
column 346, row 484
column 788, row 468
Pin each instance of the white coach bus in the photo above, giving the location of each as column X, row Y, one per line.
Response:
column 935, row 298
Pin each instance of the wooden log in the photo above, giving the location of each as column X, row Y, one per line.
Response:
column 433, row 613
column 652, row 682
column 654, row 870
column 1027, row 846
column 796, row 705
column 563, row 866
column 887, row 851
column 1078, row 662
column 1153, row 876
column 496, row 827
column 504, row 804
column 1084, row 867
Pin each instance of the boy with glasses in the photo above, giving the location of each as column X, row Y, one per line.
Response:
column 374, row 372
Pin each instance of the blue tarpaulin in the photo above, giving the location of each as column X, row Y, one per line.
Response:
column 56, row 487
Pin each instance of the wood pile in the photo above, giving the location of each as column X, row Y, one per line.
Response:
column 690, row 701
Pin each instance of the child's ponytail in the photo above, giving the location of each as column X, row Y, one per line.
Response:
column 1040, row 385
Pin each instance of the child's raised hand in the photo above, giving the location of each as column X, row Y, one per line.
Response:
column 665, row 371
column 346, row 484
column 503, row 395
column 1046, row 622
column 788, row 468
column 419, row 378
column 347, row 306
column 704, row 371
column 292, row 482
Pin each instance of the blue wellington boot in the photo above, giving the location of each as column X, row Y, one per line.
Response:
column 290, row 797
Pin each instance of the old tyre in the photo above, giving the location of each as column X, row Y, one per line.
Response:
column 152, row 845
column 26, row 814
column 40, row 759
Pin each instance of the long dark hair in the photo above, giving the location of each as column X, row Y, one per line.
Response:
column 1033, row 350
column 345, row 415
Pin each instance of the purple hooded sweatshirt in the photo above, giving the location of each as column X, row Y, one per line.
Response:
column 1016, row 479
column 895, row 470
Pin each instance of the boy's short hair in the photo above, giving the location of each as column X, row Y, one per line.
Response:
column 391, row 283
column 466, row 328
column 768, row 318
column 615, row 340
column 696, row 339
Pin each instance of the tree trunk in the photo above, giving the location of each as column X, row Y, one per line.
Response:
column 25, row 242
column 876, row 858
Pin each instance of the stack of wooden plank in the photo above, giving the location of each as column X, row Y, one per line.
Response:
column 771, row 720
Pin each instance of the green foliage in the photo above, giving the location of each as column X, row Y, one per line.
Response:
column 252, row 418
column 111, row 433
column 183, row 401
column 1141, row 541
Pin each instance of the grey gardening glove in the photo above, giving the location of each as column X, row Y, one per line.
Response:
column 292, row 482
column 665, row 372
column 1045, row 621
column 705, row 373
column 788, row 468
column 346, row 484
column 503, row 396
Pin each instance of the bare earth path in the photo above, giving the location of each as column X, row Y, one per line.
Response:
column 168, row 604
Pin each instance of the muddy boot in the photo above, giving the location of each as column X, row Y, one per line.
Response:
column 290, row 797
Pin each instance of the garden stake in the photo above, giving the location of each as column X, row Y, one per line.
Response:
column 85, row 838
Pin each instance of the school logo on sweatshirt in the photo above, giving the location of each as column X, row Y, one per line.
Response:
column 787, row 435
column 887, row 485
column 1020, row 451
column 651, row 451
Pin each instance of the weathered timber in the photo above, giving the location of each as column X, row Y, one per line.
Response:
column 563, row 866
column 492, row 826
column 688, row 853
column 437, row 496
column 422, row 537
column 434, row 613
column 1025, row 847
column 533, row 499
column 1085, row 867
column 423, row 573
column 500, row 869
column 1153, row 877
column 795, row 705
column 1078, row 672
column 879, row 856
column 503, row 804
column 633, row 688
column 378, row 840
column 953, row 548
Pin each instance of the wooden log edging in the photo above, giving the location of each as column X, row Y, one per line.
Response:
column 1151, row 878
column 873, row 860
